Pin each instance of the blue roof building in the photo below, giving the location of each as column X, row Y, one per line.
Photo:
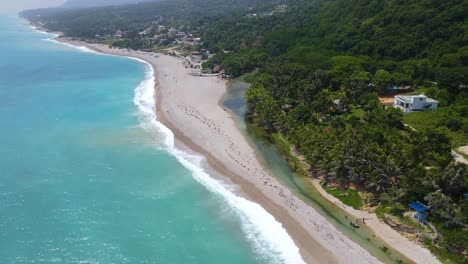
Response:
column 420, row 209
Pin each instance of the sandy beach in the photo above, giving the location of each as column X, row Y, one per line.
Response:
column 189, row 106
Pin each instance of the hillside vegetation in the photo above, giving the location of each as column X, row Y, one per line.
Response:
column 315, row 70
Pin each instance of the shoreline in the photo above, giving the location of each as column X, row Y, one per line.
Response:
column 313, row 235
column 318, row 240
column 215, row 167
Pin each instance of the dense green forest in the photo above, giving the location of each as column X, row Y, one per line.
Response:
column 313, row 88
column 413, row 40
column 320, row 68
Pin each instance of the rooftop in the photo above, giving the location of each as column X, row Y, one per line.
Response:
column 409, row 98
column 418, row 207
column 406, row 99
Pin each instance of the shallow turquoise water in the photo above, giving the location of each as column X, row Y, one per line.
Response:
column 82, row 182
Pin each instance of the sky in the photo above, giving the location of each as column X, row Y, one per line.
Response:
column 10, row 6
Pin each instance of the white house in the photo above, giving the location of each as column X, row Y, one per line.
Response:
column 415, row 103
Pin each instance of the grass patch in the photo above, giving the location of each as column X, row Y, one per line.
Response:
column 381, row 210
column 356, row 112
column 349, row 197
column 434, row 119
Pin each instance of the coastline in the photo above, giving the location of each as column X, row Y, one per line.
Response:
column 187, row 112
column 228, row 155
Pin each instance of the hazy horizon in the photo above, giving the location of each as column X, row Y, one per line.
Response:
column 10, row 6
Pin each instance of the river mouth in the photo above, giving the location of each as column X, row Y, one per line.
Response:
column 270, row 156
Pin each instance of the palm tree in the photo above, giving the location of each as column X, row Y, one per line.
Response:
column 451, row 213
column 437, row 200
column 385, row 173
column 453, row 179
column 322, row 102
column 393, row 195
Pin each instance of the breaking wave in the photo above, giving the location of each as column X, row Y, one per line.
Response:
column 268, row 237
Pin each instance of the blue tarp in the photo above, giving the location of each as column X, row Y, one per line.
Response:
column 418, row 207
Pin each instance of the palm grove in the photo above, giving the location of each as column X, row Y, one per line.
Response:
column 319, row 68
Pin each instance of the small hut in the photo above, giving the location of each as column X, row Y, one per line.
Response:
column 420, row 209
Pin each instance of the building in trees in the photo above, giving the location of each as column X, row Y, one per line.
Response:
column 415, row 103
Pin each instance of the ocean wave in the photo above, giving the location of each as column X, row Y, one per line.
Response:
column 80, row 48
column 268, row 237
column 37, row 29
column 44, row 32
column 53, row 37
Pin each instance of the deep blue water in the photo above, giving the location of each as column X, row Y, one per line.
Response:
column 83, row 181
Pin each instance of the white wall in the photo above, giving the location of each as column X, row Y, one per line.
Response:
column 418, row 102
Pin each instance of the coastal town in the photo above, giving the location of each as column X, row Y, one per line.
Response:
column 174, row 41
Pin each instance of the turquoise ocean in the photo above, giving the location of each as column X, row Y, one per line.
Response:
column 87, row 175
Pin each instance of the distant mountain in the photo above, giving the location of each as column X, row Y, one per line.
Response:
column 93, row 3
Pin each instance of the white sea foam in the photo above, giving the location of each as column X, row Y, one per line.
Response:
column 44, row 32
column 80, row 48
column 52, row 38
column 268, row 237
